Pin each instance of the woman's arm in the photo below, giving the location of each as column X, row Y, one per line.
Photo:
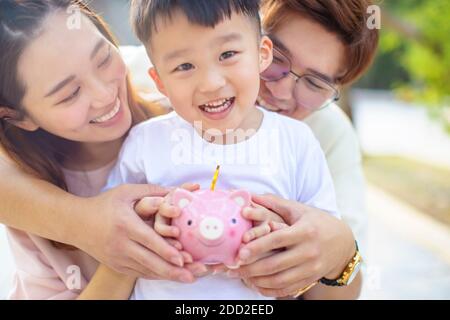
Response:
column 38, row 207
column 106, row 284
column 106, row 227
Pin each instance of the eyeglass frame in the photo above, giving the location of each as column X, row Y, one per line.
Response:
column 298, row 77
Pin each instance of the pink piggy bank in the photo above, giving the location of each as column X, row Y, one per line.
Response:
column 211, row 223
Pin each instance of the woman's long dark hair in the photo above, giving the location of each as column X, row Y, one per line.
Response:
column 40, row 153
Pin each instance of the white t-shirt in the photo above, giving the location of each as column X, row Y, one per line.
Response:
column 282, row 158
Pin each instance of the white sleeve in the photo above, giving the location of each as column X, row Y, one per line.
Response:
column 316, row 187
column 130, row 166
column 345, row 163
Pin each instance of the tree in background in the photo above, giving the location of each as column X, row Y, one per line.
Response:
column 414, row 56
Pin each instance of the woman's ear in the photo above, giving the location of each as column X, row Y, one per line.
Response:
column 265, row 53
column 154, row 75
column 14, row 118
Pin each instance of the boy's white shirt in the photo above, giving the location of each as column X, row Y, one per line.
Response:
column 282, row 157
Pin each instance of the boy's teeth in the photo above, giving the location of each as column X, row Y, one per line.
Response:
column 110, row 115
column 217, row 106
column 216, row 103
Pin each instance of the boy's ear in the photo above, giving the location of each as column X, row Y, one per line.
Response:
column 13, row 116
column 265, row 53
column 154, row 75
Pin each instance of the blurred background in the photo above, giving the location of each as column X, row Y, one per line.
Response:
column 401, row 112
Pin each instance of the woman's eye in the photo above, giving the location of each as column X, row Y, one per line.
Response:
column 106, row 60
column 184, row 67
column 72, row 96
column 227, row 55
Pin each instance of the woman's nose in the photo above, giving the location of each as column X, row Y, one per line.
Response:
column 103, row 94
column 281, row 89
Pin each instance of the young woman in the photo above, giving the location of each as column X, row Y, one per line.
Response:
column 66, row 105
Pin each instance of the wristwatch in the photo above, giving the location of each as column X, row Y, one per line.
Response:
column 349, row 274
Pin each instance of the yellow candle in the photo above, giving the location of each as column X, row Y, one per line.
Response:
column 214, row 180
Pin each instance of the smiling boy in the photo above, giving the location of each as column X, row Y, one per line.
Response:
column 207, row 57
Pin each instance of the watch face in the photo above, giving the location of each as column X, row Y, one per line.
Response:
column 354, row 273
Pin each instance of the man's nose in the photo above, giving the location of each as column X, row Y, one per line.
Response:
column 281, row 89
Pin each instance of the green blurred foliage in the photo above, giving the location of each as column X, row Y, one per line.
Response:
column 417, row 68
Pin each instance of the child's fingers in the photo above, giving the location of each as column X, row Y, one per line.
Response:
column 217, row 268
column 256, row 232
column 175, row 243
column 169, row 211
column 198, row 269
column 190, row 186
column 148, row 206
column 274, row 226
column 163, row 227
column 186, row 257
column 260, row 214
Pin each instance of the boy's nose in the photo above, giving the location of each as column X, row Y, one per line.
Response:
column 211, row 82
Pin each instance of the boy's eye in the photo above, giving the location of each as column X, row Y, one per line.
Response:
column 227, row 55
column 106, row 60
column 184, row 67
column 72, row 96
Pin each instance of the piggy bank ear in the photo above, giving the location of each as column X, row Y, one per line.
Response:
column 181, row 198
column 241, row 198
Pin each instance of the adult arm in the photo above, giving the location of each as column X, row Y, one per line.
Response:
column 106, row 226
column 107, row 284
column 314, row 245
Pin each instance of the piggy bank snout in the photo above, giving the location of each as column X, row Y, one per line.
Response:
column 211, row 228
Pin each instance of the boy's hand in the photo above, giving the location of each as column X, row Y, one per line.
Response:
column 162, row 225
column 261, row 217
column 265, row 221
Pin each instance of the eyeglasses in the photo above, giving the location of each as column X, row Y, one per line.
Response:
column 310, row 91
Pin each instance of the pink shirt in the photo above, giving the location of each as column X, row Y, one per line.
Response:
column 44, row 271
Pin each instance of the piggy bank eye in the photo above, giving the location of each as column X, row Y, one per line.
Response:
column 233, row 221
column 189, row 222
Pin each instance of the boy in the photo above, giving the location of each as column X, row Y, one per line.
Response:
column 207, row 56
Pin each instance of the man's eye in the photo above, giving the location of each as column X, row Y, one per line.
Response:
column 106, row 60
column 313, row 84
column 227, row 55
column 184, row 67
column 72, row 96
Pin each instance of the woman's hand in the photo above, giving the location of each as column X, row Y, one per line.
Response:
column 314, row 245
column 121, row 239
